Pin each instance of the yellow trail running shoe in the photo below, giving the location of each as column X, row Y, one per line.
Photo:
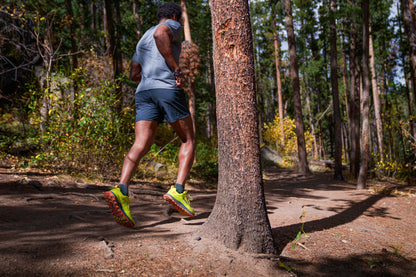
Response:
column 120, row 206
column 180, row 201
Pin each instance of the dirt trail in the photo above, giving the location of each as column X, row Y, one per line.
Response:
column 56, row 226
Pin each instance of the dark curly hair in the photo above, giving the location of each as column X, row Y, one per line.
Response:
column 168, row 10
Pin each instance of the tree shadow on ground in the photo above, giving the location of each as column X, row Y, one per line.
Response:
column 369, row 264
column 285, row 234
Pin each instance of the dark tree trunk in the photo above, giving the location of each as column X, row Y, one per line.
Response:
column 365, row 143
column 239, row 218
column 294, row 73
column 73, row 34
column 114, row 46
column 409, row 24
column 335, row 94
column 354, row 113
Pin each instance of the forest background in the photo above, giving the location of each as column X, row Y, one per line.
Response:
column 67, row 104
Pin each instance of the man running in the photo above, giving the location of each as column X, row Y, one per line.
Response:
column 155, row 64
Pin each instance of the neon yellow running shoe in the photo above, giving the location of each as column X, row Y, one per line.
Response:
column 180, row 201
column 120, row 206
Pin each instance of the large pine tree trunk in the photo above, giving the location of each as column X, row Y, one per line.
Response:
column 376, row 98
column 365, row 133
column 294, row 73
column 239, row 218
column 354, row 113
column 335, row 93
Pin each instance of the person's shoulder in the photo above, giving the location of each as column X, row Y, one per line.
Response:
column 172, row 23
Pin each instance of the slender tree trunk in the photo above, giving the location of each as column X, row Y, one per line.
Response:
column 278, row 83
column 346, row 91
column 354, row 120
column 412, row 91
column 294, row 72
column 74, row 92
column 376, row 99
column 138, row 21
column 114, row 46
column 108, row 26
column 117, row 57
column 308, row 108
column 239, row 218
column 193, row 56
column 365, row 145
column 93, row 13
column 409, row 76
column 73, row 34
column 411, row 34
column 335, row 93
column 186, row 26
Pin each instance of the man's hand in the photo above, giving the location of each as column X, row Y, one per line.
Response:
column 180, row 79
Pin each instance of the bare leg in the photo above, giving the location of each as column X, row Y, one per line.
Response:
column 144, row 134
column 185, row 131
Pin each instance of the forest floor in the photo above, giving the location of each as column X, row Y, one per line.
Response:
column 56, row 225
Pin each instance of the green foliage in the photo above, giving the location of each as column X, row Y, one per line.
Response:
column 206, row 165
column 85, row 133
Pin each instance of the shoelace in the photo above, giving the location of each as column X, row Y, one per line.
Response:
column 187, row 197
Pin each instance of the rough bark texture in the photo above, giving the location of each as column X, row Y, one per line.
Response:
column 239, row 218
column 189, row 63
column 365, row 133
column 294, row 73
column 335, row 94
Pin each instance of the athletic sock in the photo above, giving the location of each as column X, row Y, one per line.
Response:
column 179, row 188
column 124, row 189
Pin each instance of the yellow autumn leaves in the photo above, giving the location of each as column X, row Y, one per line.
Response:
column 285, row 142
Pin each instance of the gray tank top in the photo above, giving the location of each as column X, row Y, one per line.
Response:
column 156, row 73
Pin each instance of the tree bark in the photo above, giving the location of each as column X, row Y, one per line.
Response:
column 186, row 26
column 278, row 83
column 73, row 34
column 192, row 65
column 335, row 94
column 409, row 24
column 411, row 34
column 239, row 218
column 376, row 98
column 294, row 72
column 365, row 145
column 354, row 114
column 137, row 18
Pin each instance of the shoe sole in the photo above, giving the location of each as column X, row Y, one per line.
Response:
column 179, row 208
column 118, row 214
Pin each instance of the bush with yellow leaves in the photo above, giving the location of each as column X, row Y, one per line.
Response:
column 286, row 144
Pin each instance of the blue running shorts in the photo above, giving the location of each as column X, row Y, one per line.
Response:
column 157, row 104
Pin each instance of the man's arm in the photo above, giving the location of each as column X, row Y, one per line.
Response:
column 163, row 37
column 135, row 72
